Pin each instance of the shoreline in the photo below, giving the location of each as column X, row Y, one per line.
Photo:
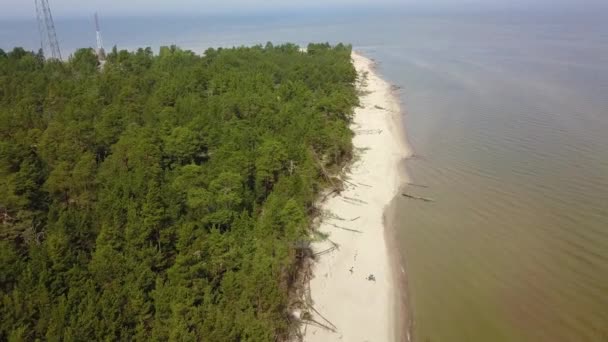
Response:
column 356, row 288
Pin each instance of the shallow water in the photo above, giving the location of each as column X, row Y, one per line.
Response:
column 510, row 123
column 508, row 115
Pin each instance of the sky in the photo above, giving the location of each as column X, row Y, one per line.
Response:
column 66, row 8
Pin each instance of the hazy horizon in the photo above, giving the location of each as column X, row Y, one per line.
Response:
column 18, row 10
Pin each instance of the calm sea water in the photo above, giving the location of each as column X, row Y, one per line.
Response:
column 510, row 119
column 508, row 115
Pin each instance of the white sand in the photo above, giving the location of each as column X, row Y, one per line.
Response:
column 361, row 309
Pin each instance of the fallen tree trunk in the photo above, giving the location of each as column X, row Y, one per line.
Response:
column 417, row 197
column 347, row 229
column 418, row 185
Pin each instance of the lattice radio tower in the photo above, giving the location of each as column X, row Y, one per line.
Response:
column 46, row 27
column 101, row 54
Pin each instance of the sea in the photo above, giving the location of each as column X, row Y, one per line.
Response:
column 507, row 113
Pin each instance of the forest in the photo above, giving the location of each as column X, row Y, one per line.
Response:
column 164, row 196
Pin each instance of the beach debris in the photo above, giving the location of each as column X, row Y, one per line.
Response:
column 379, row 107
column 361, row 93
column 371, row 277
column 326, row 174
column 350, row 202
column 307, row 317
column 347, row 229
column 418, row 197
column 368, row 131
column 325, row 251
column 417, row 185
column 334, row 191
column 369, row 186
column 303, row 249
column 352, row 270
column 417, row 156
column 327, row 214
column 318, row 235
column 346, row 181
column 354, row 200
column 332, row 328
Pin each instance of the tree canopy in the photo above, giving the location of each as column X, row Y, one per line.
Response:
column 163, row 196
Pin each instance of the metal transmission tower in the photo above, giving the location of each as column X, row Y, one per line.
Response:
column 46, row 26
column 101, row 54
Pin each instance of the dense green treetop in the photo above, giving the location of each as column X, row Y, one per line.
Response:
column 163, row 196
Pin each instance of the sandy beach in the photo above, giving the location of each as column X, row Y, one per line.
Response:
column 354, row 288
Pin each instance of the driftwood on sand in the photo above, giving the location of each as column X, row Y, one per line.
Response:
column 325, row 251
column 356, row 200
column 307, row 317
column 417, row 185
column 418, row 197
column 347, row 229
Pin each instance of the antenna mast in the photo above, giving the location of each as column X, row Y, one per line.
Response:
column 100, row 52
column 46, row 28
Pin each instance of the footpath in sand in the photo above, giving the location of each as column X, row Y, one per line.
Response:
column 353, row 288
